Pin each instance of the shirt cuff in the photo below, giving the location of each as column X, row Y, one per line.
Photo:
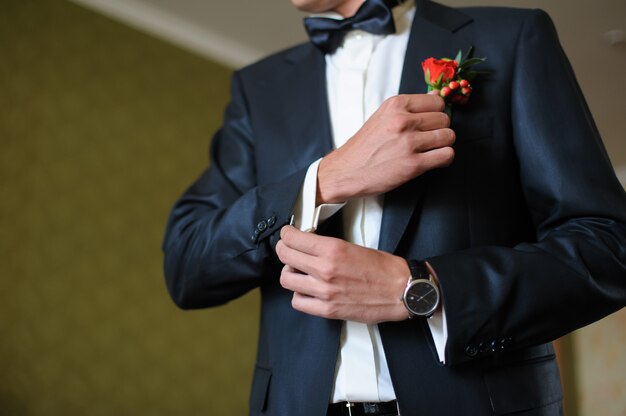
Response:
column 438, row 324
column 306, row 215
column 439, row 330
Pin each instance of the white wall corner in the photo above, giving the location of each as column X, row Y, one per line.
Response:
column 173, row 29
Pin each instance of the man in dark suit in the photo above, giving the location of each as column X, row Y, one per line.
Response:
column 508, row 212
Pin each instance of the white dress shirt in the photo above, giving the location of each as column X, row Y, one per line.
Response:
column 363, row 72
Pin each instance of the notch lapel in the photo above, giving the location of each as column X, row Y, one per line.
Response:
column 432, row 35
column 305, row 112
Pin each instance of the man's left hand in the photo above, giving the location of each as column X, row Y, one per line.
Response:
column 334, row 279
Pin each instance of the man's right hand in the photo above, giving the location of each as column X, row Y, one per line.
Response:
column 406, row 137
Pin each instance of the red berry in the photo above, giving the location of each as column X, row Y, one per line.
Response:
column 453, row 85
column 464, row 83
column 466, row 91
column 445, row 91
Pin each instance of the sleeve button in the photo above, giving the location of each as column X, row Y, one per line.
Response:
column 505, row 343
column 261, row 226
column 471, row 350
column 271, row 221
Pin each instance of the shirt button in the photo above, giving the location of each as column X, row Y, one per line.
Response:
column 261, row 226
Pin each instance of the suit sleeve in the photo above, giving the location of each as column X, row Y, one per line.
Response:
column 499, row 298
column 221, row 234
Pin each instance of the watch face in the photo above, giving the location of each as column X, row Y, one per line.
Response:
column 422, row 297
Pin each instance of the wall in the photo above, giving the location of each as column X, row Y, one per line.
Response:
column 101, row 128
column 600, row 367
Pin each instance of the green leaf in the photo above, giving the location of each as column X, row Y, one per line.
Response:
column 438, row 83
column 427, row 77
column 459, row 57
column 472, row 61
column 469, row 52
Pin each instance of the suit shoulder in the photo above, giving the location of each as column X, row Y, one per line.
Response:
column 503, row 15
column 482, row 20
column 273, row 63
column 504, row 24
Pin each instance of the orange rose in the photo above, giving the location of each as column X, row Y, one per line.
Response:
column 436, row 68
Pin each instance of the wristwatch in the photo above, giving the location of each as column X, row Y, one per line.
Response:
column 421, row 296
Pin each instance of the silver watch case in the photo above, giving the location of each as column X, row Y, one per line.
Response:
column 421, row 298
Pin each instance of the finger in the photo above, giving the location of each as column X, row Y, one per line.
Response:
column 291, row 278
column 296, row 259
column 434, row 139
column 420, row 103
column 436, row 158
column 313, row 306
column 304, row 284
column 308, row 243
column 428, row 121
column 290, row 269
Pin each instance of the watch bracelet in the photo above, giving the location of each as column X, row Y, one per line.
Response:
column 418, row 270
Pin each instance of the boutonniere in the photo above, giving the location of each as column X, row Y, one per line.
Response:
column 451, row 78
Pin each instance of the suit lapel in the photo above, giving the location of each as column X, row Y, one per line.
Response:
column 432, row 34
column 306, row 121
column 305, row 112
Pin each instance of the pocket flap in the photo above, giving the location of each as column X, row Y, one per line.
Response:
column 525, row 385
column 260, row 386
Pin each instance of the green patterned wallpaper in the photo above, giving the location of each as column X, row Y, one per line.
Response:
column 101, row 128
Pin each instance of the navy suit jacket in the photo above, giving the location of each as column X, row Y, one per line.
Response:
column 526, row 229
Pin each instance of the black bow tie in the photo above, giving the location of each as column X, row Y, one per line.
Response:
column 374, row 16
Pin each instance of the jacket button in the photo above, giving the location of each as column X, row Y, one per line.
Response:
column 271, row 221
column 494, row 346
column 483, row 347
column 261, row 226
column 471, row 350
column 505, row 343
